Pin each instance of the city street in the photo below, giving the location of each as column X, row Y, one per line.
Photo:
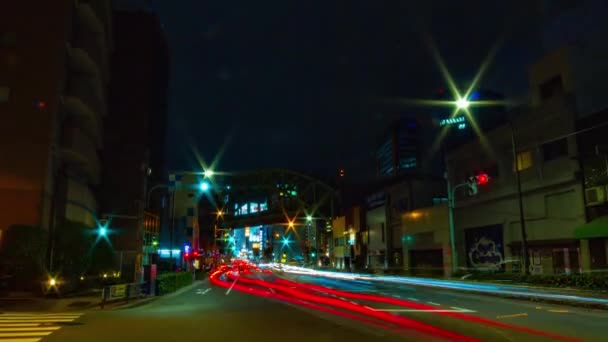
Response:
column 203, row 313
column 244, row 302
column 582, row 323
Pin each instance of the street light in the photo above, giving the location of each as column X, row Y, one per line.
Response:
column 204, row 186
column 462, row 103
column 309, row 218
column 208, row 173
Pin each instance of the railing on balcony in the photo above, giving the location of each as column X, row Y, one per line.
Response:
column 79, row 151
column 89, row 34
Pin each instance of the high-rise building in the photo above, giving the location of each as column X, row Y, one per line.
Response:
column 53, row 80
column 134, row 135
column 403, row 146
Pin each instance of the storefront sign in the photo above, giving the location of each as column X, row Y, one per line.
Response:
column 485, row 247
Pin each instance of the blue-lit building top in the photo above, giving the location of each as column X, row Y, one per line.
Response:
column 402, row 147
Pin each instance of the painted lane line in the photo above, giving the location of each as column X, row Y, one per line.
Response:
column 512, row 316
column 424, row 310
column 433, row 303
column 396, row 296
column 354, row 303
column 34, row 320
column 26, row 334
column 558, row 311
column 203, row 292
column 414, row 299
column 5, row 329
column 16, row 325
column 231, row 286
column 461, row 309
column 369, row 308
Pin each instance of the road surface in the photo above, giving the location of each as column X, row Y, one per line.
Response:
column 203, row 313
column 585, row 324
column 234, row 306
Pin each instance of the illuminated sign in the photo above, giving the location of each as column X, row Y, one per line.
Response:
column 460, row 121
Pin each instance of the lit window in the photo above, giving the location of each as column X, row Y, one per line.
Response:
column 525, row 160
column 4, row 93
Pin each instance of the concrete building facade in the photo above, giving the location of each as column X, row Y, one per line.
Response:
column 53, row 88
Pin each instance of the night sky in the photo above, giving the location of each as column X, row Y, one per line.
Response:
column 291, row 84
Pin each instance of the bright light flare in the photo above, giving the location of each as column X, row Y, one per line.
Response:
column 204, row 186
column 208, row 173
column 463, row 103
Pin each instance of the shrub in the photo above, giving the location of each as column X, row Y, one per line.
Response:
column 586, row 281
column 172, row 281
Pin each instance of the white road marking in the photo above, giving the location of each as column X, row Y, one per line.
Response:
column 419, row 310
column 414, row 299
column 28, row 329
column 369, row 308
column 433, row 303
column 31, row 327
column 202, row 292
column 396, row 296
column 26, row 334
column 231, row 286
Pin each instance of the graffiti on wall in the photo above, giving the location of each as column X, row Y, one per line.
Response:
column 485, row 248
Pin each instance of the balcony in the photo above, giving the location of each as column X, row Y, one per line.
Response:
column 81, row 205
column 89, row 34
column 88, row 89
column 80, row 62
column 78, row 151
column 74, row 108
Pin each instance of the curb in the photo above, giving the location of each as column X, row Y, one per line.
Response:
column 538, row 298
column 541, row 297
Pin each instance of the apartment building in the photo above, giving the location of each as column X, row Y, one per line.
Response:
column 53, row 86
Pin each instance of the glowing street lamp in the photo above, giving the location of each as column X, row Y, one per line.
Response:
column 286, row 241
column 309, row 218
column 204, row 186
column 463, row 103
column 208, row 173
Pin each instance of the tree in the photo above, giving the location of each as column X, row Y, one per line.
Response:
column 22, row 256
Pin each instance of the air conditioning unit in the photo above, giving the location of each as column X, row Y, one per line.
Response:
column 595, row 195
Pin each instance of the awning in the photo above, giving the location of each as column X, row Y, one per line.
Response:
column 598, row 228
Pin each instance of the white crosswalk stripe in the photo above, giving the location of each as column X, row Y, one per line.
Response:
column 31, row 327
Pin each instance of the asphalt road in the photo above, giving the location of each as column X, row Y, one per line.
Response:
column 202, row 313
column 580, row 323
column 209, row 313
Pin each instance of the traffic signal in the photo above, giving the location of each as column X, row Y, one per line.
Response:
column 482, row 179
column 474, row 181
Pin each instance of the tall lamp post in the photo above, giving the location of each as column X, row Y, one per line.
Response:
column 522, row 219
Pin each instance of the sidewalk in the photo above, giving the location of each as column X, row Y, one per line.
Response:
column 564, row 296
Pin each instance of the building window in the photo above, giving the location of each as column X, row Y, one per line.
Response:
column 8, row 39
column 525, row 160
column 555, row 149
column 4, row 94
column 551, row 88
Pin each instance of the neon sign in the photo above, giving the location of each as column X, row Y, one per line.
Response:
column 459, row 120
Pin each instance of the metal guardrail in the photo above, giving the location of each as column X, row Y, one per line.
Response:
column 125, row 292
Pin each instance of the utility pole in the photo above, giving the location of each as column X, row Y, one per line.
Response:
column 522, row 219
